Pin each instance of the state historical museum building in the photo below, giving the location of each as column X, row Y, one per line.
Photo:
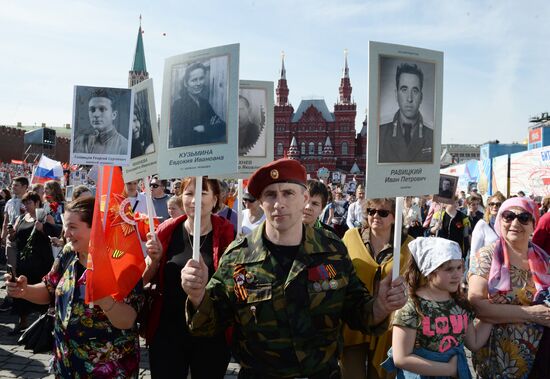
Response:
column 318, row 137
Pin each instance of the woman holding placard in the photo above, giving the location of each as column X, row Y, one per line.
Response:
column 371, row 251
column 172, row 350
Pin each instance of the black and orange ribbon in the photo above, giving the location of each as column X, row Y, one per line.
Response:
column 331, row 271
column 239, row 276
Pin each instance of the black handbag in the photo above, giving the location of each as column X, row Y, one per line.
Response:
column 39, row 336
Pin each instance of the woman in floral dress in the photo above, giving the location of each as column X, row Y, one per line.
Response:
column 508, row 283
column 99, row 341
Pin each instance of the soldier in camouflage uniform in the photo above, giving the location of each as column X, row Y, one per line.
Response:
column 286, row 288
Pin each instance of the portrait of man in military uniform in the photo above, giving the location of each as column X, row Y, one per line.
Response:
column 447, row 189
column 408, row 135
column 102, row 122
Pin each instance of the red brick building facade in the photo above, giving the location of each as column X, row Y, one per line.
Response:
column 317, row 137
column 12, row 145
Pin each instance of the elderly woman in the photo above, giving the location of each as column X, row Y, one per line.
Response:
column 508, row 279
column 99, row 341
column 371, row 251
column 172, row 350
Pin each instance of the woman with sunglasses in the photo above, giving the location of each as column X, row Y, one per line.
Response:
column 508, row 287
column 484, row 231
column 173, row 352
column 371, row 251
column 253, row 214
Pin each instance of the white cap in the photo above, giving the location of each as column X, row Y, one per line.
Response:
column 431, row 252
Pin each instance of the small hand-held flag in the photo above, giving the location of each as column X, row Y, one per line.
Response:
column 47, row 169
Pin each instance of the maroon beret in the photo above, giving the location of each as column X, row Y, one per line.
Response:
column 280, row 171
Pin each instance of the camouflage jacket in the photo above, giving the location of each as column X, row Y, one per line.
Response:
column 285, row 327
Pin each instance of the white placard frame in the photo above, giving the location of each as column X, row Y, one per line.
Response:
column 262, row 116
column 122, row 102
column 208, row 159
column 144, row 165
column 402, row 178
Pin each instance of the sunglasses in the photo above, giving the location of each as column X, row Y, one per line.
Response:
column 154, row 185
column 249, row 200
column 524, row 218
column 494, row 204
column 381, row 212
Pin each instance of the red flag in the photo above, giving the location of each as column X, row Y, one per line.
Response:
column 116, row 262
column 142, row 225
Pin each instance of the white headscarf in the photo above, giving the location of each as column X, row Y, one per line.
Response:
column 431, row 252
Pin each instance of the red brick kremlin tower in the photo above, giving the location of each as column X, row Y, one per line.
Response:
column 317, row 137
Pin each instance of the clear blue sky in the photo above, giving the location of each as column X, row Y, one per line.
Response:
column 496, row 52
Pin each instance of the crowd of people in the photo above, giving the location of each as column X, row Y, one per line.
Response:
column 304, row 289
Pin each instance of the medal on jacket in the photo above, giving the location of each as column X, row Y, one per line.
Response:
column 239, row 276
column 322, row 277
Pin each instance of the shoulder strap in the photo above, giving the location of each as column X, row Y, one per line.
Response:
column 18, row 220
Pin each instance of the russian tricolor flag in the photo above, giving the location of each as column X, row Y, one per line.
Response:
column 47, row 169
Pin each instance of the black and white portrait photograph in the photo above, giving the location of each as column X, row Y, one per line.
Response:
column 145, row 134
column 142, row 133
column 447, row 189
column 256, row 127
column 252, row 121
column 406, row 111
column 198, row 111
column 101, row 126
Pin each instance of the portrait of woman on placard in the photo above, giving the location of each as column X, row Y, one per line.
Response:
column 142, row 135
column 199, row 105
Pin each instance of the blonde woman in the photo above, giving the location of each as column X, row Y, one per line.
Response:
column 371, row 251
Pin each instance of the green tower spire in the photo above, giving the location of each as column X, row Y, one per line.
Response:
column 138, row 72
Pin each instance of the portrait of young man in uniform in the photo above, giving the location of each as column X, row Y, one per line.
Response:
column 102, row 137
column 408, row 137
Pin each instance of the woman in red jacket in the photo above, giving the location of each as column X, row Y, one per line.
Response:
column 172, row 350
